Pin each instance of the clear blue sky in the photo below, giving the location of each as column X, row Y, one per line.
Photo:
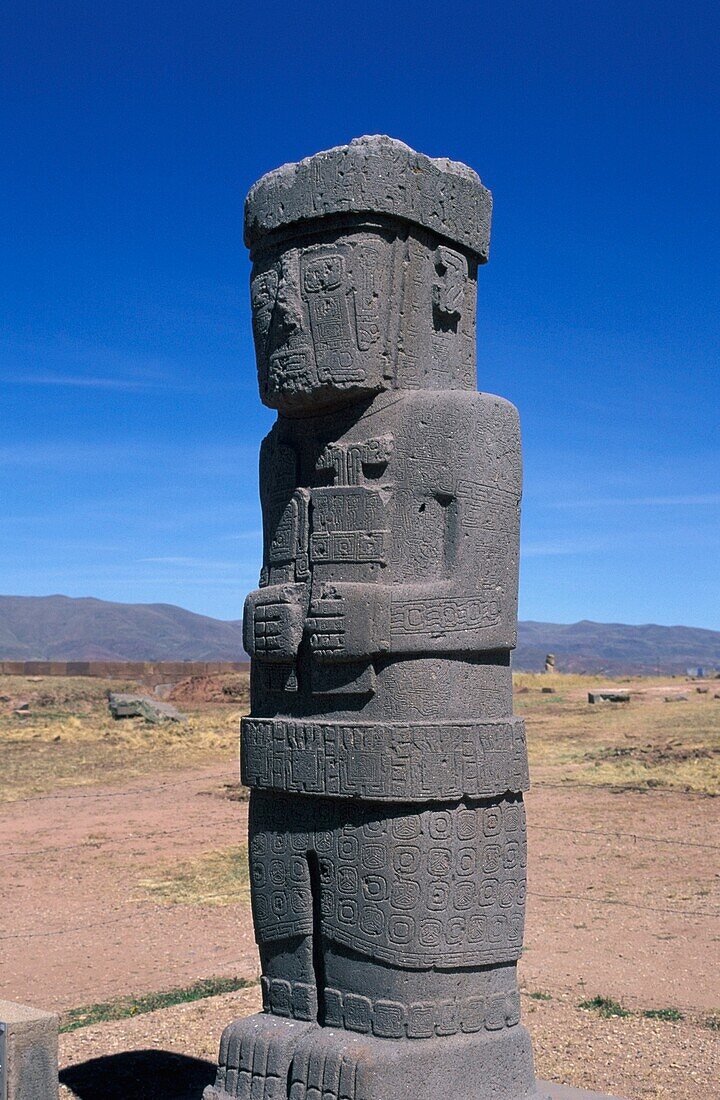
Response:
column 129, row 423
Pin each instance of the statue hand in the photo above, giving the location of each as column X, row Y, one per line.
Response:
column 273, row 623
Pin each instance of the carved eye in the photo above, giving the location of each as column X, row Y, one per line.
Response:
column 263, row 290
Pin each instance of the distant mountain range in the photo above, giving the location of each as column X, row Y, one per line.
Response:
column 616, row 647
column 61, row 628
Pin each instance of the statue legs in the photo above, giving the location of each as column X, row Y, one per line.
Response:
column 343, row 1023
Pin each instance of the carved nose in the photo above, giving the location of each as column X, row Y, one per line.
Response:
column 287, row 307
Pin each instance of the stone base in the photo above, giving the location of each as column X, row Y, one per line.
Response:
column 266, row 1057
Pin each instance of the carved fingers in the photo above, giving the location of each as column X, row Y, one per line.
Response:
column 273, row 623
column 348, row 621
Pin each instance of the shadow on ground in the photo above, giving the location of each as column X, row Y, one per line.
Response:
column 139, row 1075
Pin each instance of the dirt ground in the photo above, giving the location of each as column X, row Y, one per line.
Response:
column 624, row 891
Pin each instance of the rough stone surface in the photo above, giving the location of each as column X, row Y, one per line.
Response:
column 608, row 697
column 124, row 705
column 28, row 1053
column 387, row 830
column 373, row 175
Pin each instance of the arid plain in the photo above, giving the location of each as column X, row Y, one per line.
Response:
column 124, row 882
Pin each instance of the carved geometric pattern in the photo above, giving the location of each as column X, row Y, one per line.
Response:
column 421, row 1020
column 387, row 762
column 442, row 887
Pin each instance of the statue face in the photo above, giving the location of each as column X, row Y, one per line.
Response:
column 320, row 321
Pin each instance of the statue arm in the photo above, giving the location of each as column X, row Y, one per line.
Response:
column 472, row 605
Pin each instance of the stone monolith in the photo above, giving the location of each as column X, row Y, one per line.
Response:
column 387, row 830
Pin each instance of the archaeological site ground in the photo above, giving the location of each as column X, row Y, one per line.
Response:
column 119, row 911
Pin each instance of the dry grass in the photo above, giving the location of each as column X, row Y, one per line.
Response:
column 66, row 737
column 215, row 878
column 646, row 743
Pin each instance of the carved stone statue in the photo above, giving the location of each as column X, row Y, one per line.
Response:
column 387, row 831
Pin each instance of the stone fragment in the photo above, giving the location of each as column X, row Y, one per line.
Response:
column 608, row 697
column 124, row 705
column 676, row 698
column 28, row 1053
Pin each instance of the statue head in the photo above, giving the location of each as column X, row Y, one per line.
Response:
column 364, row 275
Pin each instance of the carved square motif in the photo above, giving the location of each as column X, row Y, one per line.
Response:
column 277, row 872
column 372, row 920
column 472, row 1015
column 492, row 821
column 495, row 1013
column 439, row 861
column 348, row 847
column 406, row 860
column 279, row 903
column 358, row 1013
column 466, row 825
column 405, row 894
column 280, row 997
column 320, row 547
column 406, row 828
column 401, row 930
column 304, row 1001
column 373, row 857
column 465, row 895
column 491, row 858
column 362, row 766
column 347, row 911
column 488, row 891
column 304, row 767
column 448, row 1021
column 507, row 894
column 431, row 933
column 440, row 825
column 466, row 861
column 374, row 887
column 389, row 1019
column 437, row 896
column 344, row 547
column 333, row 1008
column 438, row 770
column 421, row 1021
column 347, row 880
column 477, row 928
column 512, row 1009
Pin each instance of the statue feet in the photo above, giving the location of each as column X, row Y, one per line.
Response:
column 334, row 1064
column 256, row 1054
column 268, row 1057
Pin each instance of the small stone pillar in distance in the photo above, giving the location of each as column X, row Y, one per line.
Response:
column 28, row 1053
column 550, row 664
column 387, row 830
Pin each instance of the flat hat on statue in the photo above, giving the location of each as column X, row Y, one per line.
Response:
column 374, row 175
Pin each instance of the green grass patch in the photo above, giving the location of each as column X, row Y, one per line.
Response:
column 215, row 878
column 672, row 1015
column 538, row 995
column 713, row 1022
column 606, row 1007
column 124, row 1007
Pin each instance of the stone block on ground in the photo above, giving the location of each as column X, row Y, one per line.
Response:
column 123, row 705
column 28, row 1053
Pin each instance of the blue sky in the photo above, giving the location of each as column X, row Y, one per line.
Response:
column 129, row 424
